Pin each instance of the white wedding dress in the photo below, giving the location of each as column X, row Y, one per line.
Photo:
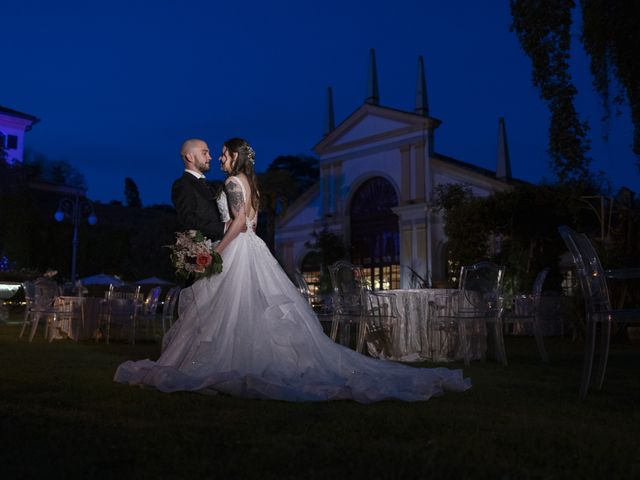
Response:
column 248, row 332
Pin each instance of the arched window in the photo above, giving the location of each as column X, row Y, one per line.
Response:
column 375, row 237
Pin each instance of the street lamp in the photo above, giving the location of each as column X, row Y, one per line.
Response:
column 75, row 208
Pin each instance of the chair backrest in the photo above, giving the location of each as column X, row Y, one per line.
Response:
column 46, row 290
column 170, row 303
column 589, row 269
column 347, row 283
column 29, row 287
column 481, row 286
column 539, row 282
column 303, row 286
column 130, row 293
column 151, row 302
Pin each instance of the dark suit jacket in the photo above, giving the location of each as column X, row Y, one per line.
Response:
column 196, row 206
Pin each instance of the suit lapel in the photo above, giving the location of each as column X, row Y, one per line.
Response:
column 200, row 186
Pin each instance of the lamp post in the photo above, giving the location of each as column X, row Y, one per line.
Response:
column 75, row 208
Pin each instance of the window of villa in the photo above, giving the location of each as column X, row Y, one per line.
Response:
column 12, row 142
column 311, row 272
column 375, row 237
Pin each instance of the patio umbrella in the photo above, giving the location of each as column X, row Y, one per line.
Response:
column 101, row 279
column 153, row 281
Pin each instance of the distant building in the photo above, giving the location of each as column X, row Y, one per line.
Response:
column 378, row 171
column 13, row 125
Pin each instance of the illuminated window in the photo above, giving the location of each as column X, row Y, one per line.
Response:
column 375, row 238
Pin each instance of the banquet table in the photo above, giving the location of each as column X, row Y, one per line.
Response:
column 7, row 290
column 78, row 317
column 413, row 334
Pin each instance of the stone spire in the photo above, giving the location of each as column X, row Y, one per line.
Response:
column 372, row 94
column 503, row 167
column 331, row 124
column 422, row 104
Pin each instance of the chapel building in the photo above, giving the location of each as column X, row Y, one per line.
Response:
column 378, row 172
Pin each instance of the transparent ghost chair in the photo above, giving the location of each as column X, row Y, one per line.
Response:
column 477, row 305
column 348, row 302
column 599, row 313
column 525, row 311
column 122, row 306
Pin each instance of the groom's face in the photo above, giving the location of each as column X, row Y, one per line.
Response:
column 201, row 158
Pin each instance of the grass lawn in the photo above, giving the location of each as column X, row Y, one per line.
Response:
column 62, row 416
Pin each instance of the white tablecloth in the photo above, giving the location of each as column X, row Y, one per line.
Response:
column 79, row 317
column 413, row 337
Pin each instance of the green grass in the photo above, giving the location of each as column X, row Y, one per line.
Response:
column 62, row 416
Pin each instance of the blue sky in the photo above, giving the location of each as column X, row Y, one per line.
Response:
column 119, row 85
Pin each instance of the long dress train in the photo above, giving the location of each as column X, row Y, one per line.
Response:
column 248, row 332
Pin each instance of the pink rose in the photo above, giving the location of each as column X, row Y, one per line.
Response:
column 203, row 259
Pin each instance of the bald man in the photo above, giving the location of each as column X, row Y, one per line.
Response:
column 194, row 201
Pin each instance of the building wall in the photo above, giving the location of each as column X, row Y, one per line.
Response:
column 16, row 126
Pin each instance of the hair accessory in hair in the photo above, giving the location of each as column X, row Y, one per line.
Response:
column 251, row 154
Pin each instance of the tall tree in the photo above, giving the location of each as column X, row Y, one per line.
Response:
column 131, row 194
column 543, row 28
column 304, row 169
column 275, row 190
column 611, row 39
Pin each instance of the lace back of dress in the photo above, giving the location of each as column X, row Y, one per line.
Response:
column 250, row 222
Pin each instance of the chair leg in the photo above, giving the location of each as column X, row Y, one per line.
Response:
column 463, row 341
column 334, row 326
column 35, row 319
column 590, row 343
column 537, row 332
column 361, row 332
column 605, row 339
column 133, row 330
column 501, row 351
column 108, row 329
column 25, row 322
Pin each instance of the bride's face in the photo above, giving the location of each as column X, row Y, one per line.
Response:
column 226, row 160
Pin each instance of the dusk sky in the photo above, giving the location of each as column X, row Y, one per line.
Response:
column 119, row 85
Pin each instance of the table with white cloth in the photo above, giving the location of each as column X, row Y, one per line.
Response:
column 413, row 335
column 7, row 291
column 78, row 317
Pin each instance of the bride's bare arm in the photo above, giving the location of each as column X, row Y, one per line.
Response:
column 238, row 223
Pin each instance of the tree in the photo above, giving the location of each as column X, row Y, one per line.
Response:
column 611, row 39
column 521, row 223
column 301, row 167
column 286, row 178
column 131, row 194
column 38, row 167
column 328, row 248
column 275, row 190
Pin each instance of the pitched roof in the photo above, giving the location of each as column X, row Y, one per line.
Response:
column 16, row 113
column 481, row 170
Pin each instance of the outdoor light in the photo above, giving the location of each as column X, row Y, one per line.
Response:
column 75, row 208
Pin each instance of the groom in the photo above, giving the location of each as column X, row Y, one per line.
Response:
column 191, row 195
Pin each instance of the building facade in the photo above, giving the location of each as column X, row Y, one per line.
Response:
column 13, row 125
column 378, row 171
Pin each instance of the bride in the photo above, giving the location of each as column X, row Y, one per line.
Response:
column 248, row 332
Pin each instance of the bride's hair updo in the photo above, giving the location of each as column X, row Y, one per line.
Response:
column 245, row 163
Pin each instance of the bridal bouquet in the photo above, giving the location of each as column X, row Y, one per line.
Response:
column 193, row 254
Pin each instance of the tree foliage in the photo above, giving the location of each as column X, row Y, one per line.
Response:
column 611, row 39
column 131, row 194
column 301, row 167
column 286, row 178
column 516, row 228
column 56, row 171
column 275, row 194
column 328, row 248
